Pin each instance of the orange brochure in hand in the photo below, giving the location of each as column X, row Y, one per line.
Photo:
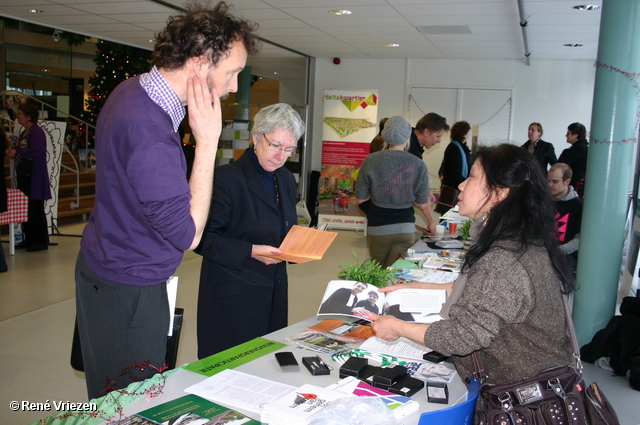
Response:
column 303, row 244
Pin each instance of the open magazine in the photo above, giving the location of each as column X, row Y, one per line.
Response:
column 358, row 299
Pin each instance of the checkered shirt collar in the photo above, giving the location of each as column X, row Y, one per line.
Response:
column 163, row 95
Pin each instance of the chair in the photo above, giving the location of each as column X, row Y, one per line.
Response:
column 172, row 343
column 312, row 197
column 460, row 414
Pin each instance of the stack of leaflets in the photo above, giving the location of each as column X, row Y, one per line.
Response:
column 380, row 359
column 319, row 342
column 356, row 331
column 401, row 348
column 451, row 264
column 435, row 373
column 240, row 390
column 425, row 275
column 401, row 405
column 190, row 409
column 296, row 407
column 452, row 216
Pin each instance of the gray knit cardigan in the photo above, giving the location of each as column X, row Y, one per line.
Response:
column 511, row 313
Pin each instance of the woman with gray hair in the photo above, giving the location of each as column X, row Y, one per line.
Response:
column 243, row 294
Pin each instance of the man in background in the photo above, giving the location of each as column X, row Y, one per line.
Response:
column 569, row 216
column 147, row 213
column 427, row 133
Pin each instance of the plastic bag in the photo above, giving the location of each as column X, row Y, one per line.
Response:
column 355, row 411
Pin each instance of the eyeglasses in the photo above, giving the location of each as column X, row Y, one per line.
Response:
column 278, row 148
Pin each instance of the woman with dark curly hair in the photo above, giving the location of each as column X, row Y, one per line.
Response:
column 507, row 304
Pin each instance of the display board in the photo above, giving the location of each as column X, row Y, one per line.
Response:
column 350, row 123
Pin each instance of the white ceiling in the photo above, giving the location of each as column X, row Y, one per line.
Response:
column 457, row 29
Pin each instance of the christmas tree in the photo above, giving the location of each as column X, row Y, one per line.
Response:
column 114, row 64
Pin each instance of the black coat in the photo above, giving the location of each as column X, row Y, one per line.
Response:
column 452, row 164
column 544, row 153
column 576, row 158
column 241, row 298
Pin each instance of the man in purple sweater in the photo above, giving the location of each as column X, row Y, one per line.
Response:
column 147, row 213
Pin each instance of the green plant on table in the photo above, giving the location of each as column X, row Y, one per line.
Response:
column 464, row 229
column 370, row 271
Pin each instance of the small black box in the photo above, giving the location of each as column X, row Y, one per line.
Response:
column 354, row 366
column 389, row 375
column 379, row 385
column 435, row 357
column 367, row 374
column 407, row 386
column 287, row 361
column 316, row 366
column 437, row 392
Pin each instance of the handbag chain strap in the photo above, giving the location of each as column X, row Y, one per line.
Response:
column 478, row 365
column 572, row 334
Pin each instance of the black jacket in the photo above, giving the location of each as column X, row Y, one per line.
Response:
column 452, row 164
column 544, row 153
column 241, row 298
column 576, row 158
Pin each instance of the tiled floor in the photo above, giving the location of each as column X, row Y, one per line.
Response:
column 37, row 310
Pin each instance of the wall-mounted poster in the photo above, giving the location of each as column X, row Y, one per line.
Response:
column 349, row 125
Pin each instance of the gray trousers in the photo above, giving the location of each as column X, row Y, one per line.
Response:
column 119, row 326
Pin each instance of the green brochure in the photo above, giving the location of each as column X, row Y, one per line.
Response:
column 191, row 408
column 234, row 357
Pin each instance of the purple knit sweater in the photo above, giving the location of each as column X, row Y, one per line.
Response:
column 141, row 223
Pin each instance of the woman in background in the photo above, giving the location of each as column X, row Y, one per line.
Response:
column 543, row 151
column 30, row 155
column 507, row 304
column 455, row 166
column 243, row 294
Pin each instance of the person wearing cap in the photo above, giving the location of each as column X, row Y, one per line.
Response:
column 390, row 183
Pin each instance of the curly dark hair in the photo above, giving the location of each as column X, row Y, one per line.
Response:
column 30, row 110
column 526, row 215
column 202, row 31
column 459, row 130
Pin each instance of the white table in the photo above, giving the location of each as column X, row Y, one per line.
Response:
column 267, row 367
